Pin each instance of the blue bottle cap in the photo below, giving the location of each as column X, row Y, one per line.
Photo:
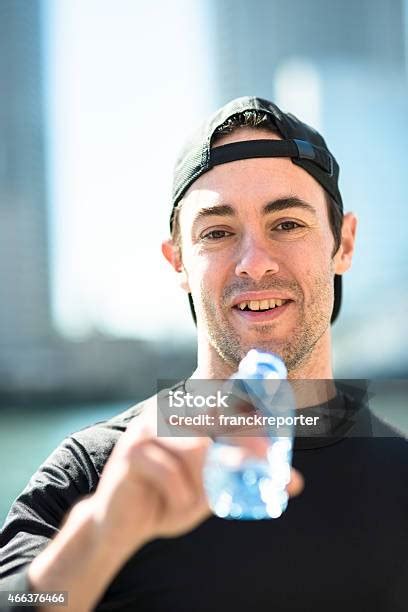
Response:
column 259, row 364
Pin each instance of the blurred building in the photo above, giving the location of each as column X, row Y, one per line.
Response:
column 252, row 39
column 24, row 304
column 99, row 368
column 35, row 362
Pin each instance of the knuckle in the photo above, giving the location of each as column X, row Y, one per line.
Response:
column 137, row 447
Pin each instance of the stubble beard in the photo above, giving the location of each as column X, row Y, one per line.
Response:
column 312, row 321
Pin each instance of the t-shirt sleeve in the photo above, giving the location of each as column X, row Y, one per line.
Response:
column 68, row 475
column 16, row 582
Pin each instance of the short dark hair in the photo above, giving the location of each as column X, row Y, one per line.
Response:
column 260, row 120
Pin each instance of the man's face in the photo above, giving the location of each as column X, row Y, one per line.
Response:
column 257, row 253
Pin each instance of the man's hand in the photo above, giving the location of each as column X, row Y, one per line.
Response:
column 151, row 487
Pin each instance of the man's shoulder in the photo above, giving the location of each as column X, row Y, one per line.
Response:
column 110, row 429
column 368, row 423
column 383, row 429
column 97, row 440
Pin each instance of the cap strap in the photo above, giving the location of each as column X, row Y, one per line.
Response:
column 248, row 149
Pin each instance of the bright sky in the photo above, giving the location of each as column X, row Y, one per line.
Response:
column 127, row 81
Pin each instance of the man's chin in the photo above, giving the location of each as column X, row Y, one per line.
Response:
column 262, row 344
column 266, row 338
column 271, row 337
column 267, row 333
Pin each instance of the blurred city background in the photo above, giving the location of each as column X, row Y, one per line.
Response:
column 96, row 98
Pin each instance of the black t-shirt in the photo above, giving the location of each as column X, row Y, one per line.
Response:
column 340, row 545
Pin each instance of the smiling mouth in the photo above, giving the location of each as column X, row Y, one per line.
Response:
column 260, row 305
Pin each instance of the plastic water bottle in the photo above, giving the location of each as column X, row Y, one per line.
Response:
column 241, row 486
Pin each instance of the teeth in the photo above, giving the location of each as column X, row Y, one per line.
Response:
column 261, row 304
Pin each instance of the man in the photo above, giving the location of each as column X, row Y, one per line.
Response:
column 259, row 243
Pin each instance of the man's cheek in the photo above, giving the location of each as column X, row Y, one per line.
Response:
column 203, row 273
column 195, row 272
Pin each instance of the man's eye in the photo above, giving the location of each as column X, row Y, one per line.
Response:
column 287, row 226
column 216, row 234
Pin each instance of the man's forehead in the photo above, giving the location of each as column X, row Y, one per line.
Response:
column 253, row 182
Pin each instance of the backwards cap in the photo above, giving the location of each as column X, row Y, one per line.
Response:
column 304, row 145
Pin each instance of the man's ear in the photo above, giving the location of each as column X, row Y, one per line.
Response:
column 344, row 255
column 172, row 253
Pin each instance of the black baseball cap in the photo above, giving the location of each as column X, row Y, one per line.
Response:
column 303, row 144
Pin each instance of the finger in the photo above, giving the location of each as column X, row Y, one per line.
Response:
column 192, row 453
column 296, row 483
column 189, row 451
column 141, row 426
column 164, row 471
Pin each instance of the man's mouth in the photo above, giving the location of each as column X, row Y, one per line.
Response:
column 260, row 305
column 261, row 311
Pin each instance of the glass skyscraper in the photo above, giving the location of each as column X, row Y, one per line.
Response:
column 24, row 279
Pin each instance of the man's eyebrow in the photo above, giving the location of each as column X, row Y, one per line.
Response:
column 225, row 210
column 221, row 210
column 284, row 203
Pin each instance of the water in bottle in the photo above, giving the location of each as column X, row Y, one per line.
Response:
column 245, row 477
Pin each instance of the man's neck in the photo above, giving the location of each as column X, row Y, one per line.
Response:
column 316, row 365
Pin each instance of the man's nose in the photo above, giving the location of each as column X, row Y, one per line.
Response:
column 256, row 260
